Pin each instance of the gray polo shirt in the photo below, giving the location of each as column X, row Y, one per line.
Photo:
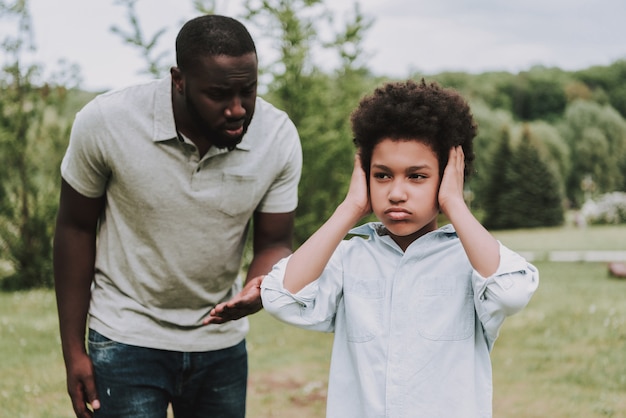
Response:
column 174, row 226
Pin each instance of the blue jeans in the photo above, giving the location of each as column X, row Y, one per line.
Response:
column 141, row 382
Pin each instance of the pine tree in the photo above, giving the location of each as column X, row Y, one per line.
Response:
column 531, row 196
column 496, row 184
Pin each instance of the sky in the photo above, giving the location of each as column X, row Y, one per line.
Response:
column 428, row 36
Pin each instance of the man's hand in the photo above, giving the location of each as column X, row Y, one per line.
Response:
column 81, row 386
column 246, row 302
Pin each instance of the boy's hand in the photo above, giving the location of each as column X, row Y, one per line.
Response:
column 244, row 303
column 451, row 188
column 358, row 194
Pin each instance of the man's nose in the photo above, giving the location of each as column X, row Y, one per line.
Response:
column 235, row 109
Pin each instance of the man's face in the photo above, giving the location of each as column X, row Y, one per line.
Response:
column 404, row 184
column 220, row 95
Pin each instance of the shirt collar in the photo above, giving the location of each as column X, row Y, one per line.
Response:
column 377, row 231
column 164, row 125
column 371, row 228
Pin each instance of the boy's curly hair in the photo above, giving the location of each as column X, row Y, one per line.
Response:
column 428, row 113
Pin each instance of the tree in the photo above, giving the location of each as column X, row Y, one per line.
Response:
column 32, row 137
column 552, row 149
column 493, row 124
column 596, row 136
column 136, row 37
column 497, row 184
column 524, row 191
column 538, row 94
column 609, row 80
column 318, row 103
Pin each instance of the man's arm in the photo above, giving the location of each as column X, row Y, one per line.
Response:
column 272, row 241
column 74, row 260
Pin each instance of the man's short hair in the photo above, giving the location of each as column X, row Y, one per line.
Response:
column 211, row 35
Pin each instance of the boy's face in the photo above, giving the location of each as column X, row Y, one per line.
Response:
column 404, row 184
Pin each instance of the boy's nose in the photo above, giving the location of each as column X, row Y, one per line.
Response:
column 397, row 192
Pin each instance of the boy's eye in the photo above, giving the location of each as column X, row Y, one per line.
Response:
column 380, row 175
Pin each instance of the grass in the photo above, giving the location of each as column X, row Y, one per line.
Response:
column 563, row 356
column 570, row 238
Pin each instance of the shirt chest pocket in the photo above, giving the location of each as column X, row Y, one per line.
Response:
column 445, row 308
column 238, row 194
column 363, row 299
column 233, row 194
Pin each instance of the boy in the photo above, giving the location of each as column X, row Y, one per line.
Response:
column 415, row 308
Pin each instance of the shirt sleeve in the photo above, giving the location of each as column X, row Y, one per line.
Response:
column 314, row 307
column 282, row 195
column 84, row 164
column 504, row 293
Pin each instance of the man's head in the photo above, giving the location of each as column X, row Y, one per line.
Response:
column 215, row 80
column 428, row 113
column 211, row 35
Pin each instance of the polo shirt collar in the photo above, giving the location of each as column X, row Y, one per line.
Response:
column 164, row 124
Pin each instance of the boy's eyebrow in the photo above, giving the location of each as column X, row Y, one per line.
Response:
column 410, row 169
column 418, row 167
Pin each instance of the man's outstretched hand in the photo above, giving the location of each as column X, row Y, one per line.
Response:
column 244, row 303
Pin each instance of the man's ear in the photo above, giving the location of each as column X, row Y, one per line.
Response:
column 177, row 79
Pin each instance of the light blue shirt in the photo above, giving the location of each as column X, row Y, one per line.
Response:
column 413, row 330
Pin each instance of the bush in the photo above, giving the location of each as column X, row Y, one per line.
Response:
column 610, row 208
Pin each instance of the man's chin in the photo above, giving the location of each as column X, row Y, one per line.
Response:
column 230, row 142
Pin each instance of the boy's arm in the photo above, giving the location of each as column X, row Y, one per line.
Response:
column 482, row 249
column 308, row 262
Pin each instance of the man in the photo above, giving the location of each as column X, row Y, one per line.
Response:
column 160, row 184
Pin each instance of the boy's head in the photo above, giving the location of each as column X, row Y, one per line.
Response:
column 428, row 113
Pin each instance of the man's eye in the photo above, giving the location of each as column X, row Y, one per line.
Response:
column 217, row 95
column 248, row 92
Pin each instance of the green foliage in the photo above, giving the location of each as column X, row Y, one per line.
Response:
column 536, row 94
column 596, row 136
column 492, row 124
column 147, row 47
column 498, row 184
column 553, row 149
column 318, row 103
column 526, row 193
column 574, row 121
column 607, row 81
column 31, row 138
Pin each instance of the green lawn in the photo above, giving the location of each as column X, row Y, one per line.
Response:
column 597, row 238
column 563, row 356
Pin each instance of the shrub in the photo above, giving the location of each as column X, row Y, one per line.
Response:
column 610, row 208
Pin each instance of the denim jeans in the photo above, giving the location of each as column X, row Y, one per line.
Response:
column 141, row 382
